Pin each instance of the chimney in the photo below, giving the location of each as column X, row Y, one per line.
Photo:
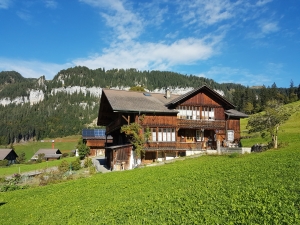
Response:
column 168, row 93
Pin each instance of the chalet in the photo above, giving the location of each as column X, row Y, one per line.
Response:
column 8, row 154
column 197, row 122
column 49, row 154
column 96, row 140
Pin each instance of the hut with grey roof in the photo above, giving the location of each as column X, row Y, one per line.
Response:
column 8, row 154
column 48, row 154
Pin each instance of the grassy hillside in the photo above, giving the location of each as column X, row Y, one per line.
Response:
column 258, row 188
column 65, row 144
column 288, row 132
column 252, row 189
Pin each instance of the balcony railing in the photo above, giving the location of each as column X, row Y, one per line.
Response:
column 158, row 146
column 215, row 124
column 181, row 123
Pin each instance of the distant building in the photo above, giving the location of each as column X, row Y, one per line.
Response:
column 9, row 154
column 50, row 154
column 95, row 139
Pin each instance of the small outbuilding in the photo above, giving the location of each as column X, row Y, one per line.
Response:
column 8, row 154
column 96, row 140
column 49, row 154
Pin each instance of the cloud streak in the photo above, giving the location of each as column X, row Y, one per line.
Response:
column 4, row 4
column 152, row 56
column 32, row 68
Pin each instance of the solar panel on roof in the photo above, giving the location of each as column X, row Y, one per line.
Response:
column 147, row 94
column 93, row 133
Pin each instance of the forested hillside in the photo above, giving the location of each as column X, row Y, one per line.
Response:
column 59, row 113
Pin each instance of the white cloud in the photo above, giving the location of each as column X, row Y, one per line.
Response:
column 236, row 75
column 4, row 4
column 24, row 15
column 51, row 4
column 207, row 12
column 268, row 27
column 263, row 2
column 150, row 56
column 32, row 69
column 126, row 24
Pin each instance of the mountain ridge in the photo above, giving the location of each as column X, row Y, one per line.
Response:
column 36, row 108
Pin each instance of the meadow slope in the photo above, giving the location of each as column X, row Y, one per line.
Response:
column 253, row 189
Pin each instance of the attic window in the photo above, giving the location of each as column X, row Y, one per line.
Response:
column 147, row 94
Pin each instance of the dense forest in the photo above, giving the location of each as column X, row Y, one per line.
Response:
column 61, row 114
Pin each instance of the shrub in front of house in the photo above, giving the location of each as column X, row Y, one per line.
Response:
column 3, row 163
column 76, row 165
column 64, row 155
column 64, row 166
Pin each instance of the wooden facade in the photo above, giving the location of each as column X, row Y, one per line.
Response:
column 179, row 125
column 96, row 140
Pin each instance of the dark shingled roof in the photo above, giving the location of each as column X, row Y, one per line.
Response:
column 137, row 101
column 235, row 113
column 4, row 153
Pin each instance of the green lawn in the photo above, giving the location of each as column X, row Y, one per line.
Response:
column 16, row 168
column 63, row 144
column 258, row 188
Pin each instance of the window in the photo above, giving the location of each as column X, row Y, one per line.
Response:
column 208, row 113
column 163, row 134
column 159, row 134
column 230, row 135
column 153, row 134
column 199, row 135
column 188, row 112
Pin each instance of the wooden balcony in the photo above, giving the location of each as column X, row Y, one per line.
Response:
column 160, row 146
column 205, row 124
column 180, row 123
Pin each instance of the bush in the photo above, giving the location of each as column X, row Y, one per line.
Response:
column 87, row 162
column 76, row 165
column 64, row 155
column 40, row 158
column 4, row 162
column 21, row 158
column 92, row 170
column 12, row 183
column 64, row 166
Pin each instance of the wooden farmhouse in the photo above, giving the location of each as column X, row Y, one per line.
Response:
column 8, row 154
column 199, row 121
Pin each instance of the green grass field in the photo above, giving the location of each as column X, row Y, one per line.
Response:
column 63, row 144
column 258, row 188
column 21, row 168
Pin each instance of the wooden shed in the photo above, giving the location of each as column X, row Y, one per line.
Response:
column 8, row 154
column 49, row 154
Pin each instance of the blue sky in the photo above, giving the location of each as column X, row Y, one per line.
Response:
column 255, row 42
